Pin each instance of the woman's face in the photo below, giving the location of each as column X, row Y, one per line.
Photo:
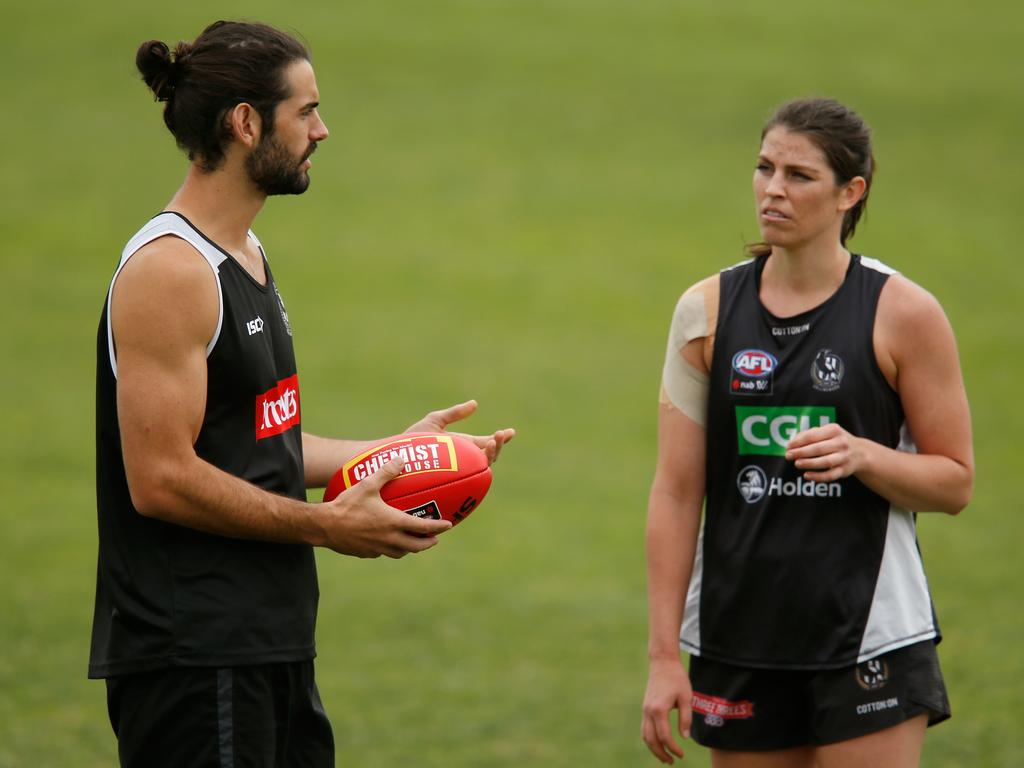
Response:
column 798, row 200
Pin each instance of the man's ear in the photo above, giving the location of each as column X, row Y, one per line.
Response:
column 245, row 124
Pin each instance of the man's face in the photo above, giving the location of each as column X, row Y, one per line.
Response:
column 279, row 164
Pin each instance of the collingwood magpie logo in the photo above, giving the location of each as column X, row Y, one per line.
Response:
column 827, row 371
column 284, row 312
column 872, row 675
column 753, row 483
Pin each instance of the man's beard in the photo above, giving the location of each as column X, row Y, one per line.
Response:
column 275, row 171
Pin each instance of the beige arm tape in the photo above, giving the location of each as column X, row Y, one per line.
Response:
column 683, row 385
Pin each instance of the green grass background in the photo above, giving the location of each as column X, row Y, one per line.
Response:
column 513, row 195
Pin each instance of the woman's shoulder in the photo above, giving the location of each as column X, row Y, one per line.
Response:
column 696, row 311
column 911, row 329
column 905, row 303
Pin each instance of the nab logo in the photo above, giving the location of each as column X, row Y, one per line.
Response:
column 255, row 326
column 754, row 363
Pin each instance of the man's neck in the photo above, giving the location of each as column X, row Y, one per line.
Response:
column 222, row 204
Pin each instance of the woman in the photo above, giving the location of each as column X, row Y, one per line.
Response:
column 810, row 398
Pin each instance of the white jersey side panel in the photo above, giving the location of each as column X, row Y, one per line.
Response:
column 689, row 633
column 901, row 609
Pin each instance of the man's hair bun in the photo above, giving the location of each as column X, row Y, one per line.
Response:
column 159, row 67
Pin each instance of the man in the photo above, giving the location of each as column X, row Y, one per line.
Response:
column 206, row 589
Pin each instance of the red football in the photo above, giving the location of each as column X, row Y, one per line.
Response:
column 445, row 476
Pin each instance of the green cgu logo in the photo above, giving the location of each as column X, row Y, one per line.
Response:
column 765, row 431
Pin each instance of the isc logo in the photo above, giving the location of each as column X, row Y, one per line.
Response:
column 754, row 362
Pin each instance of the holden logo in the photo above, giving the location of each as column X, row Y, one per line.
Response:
column 754, row 363
column 753, row 483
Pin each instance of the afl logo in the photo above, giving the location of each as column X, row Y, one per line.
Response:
column 754, row 363
column 752, row 483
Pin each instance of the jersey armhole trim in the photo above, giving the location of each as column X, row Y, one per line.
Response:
column 875, row 265
column 111, row 353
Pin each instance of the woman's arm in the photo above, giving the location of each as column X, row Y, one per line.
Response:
column 673, row 524
column 916, row 351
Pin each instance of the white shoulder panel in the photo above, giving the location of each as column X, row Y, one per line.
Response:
column 160, row 226
column 878, row 266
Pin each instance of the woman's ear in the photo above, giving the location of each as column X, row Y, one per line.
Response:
column 852, row 193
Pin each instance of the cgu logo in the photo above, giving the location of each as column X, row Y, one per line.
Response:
column 754, row 362
column 766, row 431
column 277, row 409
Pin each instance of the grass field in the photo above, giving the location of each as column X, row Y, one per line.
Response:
column 513, row 196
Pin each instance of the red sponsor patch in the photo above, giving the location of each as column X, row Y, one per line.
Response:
column 723, row 708
column 277, row 409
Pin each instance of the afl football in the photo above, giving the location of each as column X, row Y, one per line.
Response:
column 445, row 476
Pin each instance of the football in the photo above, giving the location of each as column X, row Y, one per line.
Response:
column 445, row 476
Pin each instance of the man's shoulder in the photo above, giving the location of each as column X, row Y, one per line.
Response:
column 168, row 259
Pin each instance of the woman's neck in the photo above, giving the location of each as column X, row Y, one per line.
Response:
column 794, row 281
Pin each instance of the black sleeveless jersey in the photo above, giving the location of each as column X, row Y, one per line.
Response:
column 167, row 595
column 791, row 573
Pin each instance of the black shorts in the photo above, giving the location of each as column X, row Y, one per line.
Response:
column 761, row 709
column 267, row 716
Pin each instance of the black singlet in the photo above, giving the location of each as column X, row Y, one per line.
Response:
column 791, row 573
column 167, row 595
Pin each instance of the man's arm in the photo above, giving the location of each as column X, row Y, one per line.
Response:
column 164, row 310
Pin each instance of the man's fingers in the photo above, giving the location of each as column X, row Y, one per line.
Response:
column 455, row 413
column 389, row 471
column 501, row 437
column 424, row 526
column 412, row 544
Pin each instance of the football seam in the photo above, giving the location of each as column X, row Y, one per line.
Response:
column 438, row 487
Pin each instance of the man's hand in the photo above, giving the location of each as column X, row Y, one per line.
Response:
column 438, row 421
column 668, row 688
column 358, row 522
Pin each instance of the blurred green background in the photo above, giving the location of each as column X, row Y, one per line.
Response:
column 513, row 196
